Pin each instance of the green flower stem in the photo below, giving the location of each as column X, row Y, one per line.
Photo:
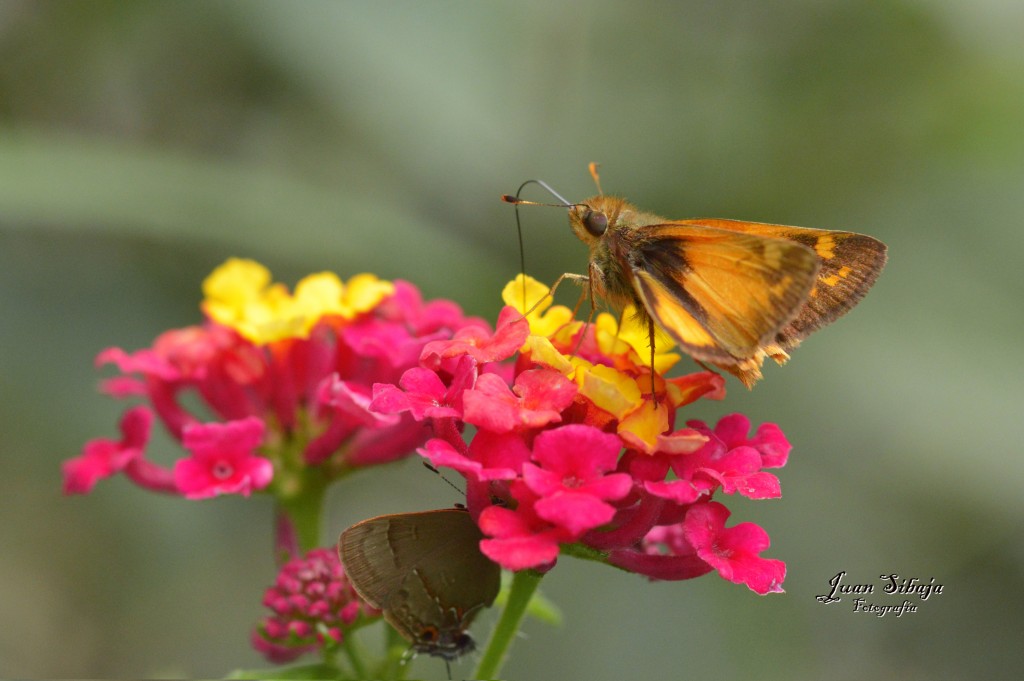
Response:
column 304, row 511
column 584, row 552
column 524, row 584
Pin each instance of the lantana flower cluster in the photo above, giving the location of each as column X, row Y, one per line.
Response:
column 283, row 381
column 575, row 446
column 314, row 606
column 566, row 432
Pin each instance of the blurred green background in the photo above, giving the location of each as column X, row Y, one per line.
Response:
column 143, row 143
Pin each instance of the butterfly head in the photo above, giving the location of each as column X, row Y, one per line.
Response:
column 590, row 220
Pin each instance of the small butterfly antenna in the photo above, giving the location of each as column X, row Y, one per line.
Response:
column 547, row 187
column 516, row 201
column 597, row 178
column 439, row 474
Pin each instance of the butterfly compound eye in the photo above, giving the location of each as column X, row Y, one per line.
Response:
column 596, row 222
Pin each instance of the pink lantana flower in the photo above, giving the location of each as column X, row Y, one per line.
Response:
column 733, row 431
column 102, row 457
column 571, row 479
column 734, row 552
column 424, row 394
column 537, row 399
column 732, row 463
column 222, row 460
column 479, row 343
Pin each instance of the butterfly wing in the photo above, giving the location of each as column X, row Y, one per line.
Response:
column 721, row 294
column 439, row 549
column 849, row 264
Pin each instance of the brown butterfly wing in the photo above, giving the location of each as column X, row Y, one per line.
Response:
column 721, row 294
column 849, row 265
column 437, row 550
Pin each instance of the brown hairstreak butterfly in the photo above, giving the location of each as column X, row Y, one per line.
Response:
column 425, row 572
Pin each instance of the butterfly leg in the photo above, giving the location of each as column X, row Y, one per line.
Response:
column 551, row 291
column 593, row 305
column 589, row 293
column 590, row 318
column 650, row 334
column 618, row 329
column 571, row 277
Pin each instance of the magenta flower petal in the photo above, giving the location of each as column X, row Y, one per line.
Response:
column 577, row 512
column 522, row 552
column 679, row 491
column 145, row 362
column 664, row 567
column 578, row 452
column 492, row 406
column 772, row 444
column 543, row 393
column 389, row 343
column 506, row 451
column 732, row 430
column 123, row 386
column 542, row 482
column 423, row 382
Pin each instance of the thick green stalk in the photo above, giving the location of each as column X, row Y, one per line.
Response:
column 524, row 584
column 303, row 511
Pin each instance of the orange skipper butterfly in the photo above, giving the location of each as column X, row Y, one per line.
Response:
column 728, row 292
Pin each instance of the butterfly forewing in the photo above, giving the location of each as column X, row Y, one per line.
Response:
column 720, row 293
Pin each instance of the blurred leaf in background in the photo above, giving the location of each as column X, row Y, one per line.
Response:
column 142, row 143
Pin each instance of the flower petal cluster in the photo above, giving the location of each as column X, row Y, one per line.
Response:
column 575, row 447
column 314, row 606
column 272, row 385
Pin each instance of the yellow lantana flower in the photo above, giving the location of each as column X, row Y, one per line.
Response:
column 239, row 294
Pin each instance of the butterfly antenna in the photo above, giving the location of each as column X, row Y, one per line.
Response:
column 516, row 201
column 597, row 178
column 439, row 474
column 522, row 252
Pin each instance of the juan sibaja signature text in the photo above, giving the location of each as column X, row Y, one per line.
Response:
column 890, row 584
